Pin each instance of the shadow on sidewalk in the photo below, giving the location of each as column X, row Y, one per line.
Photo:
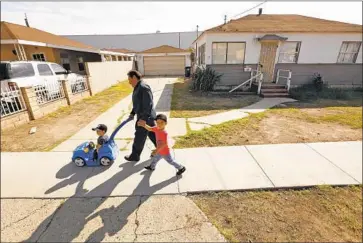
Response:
column 78, row 175
column 164, row 101
column 69, row 219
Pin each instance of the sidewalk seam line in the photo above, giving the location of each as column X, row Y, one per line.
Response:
column 216, row 169
column 331, row 162
column 259, row 166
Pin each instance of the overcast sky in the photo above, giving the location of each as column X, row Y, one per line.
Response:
column 66, row 18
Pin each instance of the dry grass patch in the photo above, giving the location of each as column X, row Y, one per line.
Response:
column 323, row 214
column 350, row 116
column 186, row 104
column 281, row 126
column 63, row 123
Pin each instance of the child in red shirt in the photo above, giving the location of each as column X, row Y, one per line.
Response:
column 162, row 149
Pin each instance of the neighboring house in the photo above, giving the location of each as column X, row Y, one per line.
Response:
column 163, row 61
column 122, row 50
column 127, row 54
column 112, row 55
column 138, row 42
column 303, row 45
column 25, row 43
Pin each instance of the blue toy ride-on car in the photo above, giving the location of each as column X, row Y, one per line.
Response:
column 107, row 153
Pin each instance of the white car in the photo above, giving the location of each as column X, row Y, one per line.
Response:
column 33, row 73
column 45, row 77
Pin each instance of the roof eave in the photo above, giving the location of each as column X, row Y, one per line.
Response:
column 35, row 43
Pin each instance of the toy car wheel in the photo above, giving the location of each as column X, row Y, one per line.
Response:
column 79, row 162
column 105, row 161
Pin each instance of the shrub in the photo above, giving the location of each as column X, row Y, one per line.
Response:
column 317, row 89
column 309, row 92
column 318, row 82
column 204, row 79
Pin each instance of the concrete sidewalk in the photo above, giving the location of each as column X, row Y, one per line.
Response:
column 162, row 90
column 199, row 123
column 51, row 175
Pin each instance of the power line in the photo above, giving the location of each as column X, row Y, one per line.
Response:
column 250, row 9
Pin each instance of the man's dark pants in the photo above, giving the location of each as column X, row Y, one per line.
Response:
column 140, row 138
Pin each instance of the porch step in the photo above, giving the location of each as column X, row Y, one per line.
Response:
column 234, row 93
column 273, row 95
column 272, row 86
column 277, row 90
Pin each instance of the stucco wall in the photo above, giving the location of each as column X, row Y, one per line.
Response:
column 6, row 53
column 322, row 48
column 333, row 74
column 233, row 74
column 105, row 74
column 140, row 63
column 47, row 51
column 315, row 48
column 72, row 55
column 318, row 53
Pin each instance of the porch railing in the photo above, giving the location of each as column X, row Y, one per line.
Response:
column 286, row 76
column 258, row 77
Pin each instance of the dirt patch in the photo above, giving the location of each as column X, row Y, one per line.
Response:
column 281, row 126
column 323, row 214
column 187, row 104
column 278, row 129
column 62, row 124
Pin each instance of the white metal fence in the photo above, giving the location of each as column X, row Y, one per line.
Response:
column 12, row 101
column 49, row 92
column 79, row 85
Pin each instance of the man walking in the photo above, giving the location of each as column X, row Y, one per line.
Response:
column 143, row 108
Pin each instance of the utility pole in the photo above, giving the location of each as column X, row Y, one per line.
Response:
column 196, row 48
column 179, row 39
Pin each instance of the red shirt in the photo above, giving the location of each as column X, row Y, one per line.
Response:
column 161, row 137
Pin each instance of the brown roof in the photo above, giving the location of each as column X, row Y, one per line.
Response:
column 164, row 49
column 20, row 32
column 122, row 50
column 274, row 23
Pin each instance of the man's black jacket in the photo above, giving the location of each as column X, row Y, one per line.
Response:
column 142, row 101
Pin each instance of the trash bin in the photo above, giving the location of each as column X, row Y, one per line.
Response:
column 187, row 72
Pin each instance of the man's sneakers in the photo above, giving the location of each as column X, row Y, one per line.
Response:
column 149, row 168
column 181, row 171
column 131, row 158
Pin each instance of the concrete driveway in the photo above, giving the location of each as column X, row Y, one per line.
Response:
column 162, row 90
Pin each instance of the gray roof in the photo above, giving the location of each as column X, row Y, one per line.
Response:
column 138, row 42
column 272, row 37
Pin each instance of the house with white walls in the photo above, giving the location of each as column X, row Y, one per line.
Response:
column 269, row 43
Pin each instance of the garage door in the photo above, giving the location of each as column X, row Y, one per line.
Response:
column 167, row 65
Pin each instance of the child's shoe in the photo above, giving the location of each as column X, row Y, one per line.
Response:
column 181, row 171
column 149, row 168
